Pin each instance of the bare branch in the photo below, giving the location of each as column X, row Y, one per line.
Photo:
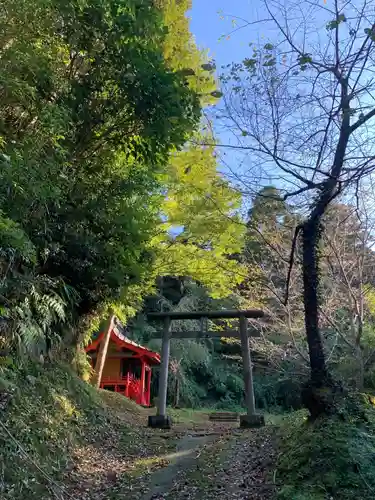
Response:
column 362, row 120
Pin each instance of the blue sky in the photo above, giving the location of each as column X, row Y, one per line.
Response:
column 207, row 27
column 210, row 20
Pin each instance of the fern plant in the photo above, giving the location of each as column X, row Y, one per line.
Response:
column 35, row 321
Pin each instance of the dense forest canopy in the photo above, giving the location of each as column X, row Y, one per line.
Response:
column 111, row 188
column 98, row 98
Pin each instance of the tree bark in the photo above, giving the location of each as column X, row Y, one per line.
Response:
column 321, row 393
column 311, row 235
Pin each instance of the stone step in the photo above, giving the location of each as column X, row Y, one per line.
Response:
column 224, row 416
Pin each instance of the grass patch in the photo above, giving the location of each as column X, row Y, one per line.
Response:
column 331, row 458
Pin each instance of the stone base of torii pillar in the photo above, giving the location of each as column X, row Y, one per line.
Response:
column 160, row 421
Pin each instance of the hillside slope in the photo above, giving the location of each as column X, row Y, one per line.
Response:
column 332, row 458
column 61, row 438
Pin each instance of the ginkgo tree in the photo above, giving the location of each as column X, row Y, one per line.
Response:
column 182, row 53
column 199, row 224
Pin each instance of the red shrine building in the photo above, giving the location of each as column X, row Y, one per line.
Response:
column 127, row 367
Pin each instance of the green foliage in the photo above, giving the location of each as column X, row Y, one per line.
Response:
column 35, row 319
column 82, row 366
column 270, row 226
column 209, row 372
column 15, row 245
column 90, row 109
column 202, row 208
column 202, row 376
column 330, row 458
column 303, row 61
column 370, row 33
column 38, row 310
column 223, row 385
column 277, row 393
column 181, row 51
column 98, row 99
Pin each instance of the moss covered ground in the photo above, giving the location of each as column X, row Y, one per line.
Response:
column 330, row 458
column 61, row 439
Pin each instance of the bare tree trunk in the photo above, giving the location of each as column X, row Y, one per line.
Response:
column 311, row 238
column 320, row 393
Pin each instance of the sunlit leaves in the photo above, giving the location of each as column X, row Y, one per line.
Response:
column 91, row 108
column 181, row 52
column 202, row 206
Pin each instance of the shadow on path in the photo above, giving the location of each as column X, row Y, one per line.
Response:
column 187, row 452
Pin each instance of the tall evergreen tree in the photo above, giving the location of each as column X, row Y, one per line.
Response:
column 90, row 110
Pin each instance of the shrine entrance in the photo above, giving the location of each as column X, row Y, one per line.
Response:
column 251, row 419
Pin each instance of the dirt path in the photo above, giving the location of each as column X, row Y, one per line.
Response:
column 187, row 450
column 197, row 460
column 235, row 464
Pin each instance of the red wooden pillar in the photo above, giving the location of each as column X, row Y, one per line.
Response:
column 143, row 374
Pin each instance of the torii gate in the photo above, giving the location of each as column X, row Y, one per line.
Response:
column 251, row 419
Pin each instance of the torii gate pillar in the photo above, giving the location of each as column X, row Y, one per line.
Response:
column 251, row 419
column 161, row 420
